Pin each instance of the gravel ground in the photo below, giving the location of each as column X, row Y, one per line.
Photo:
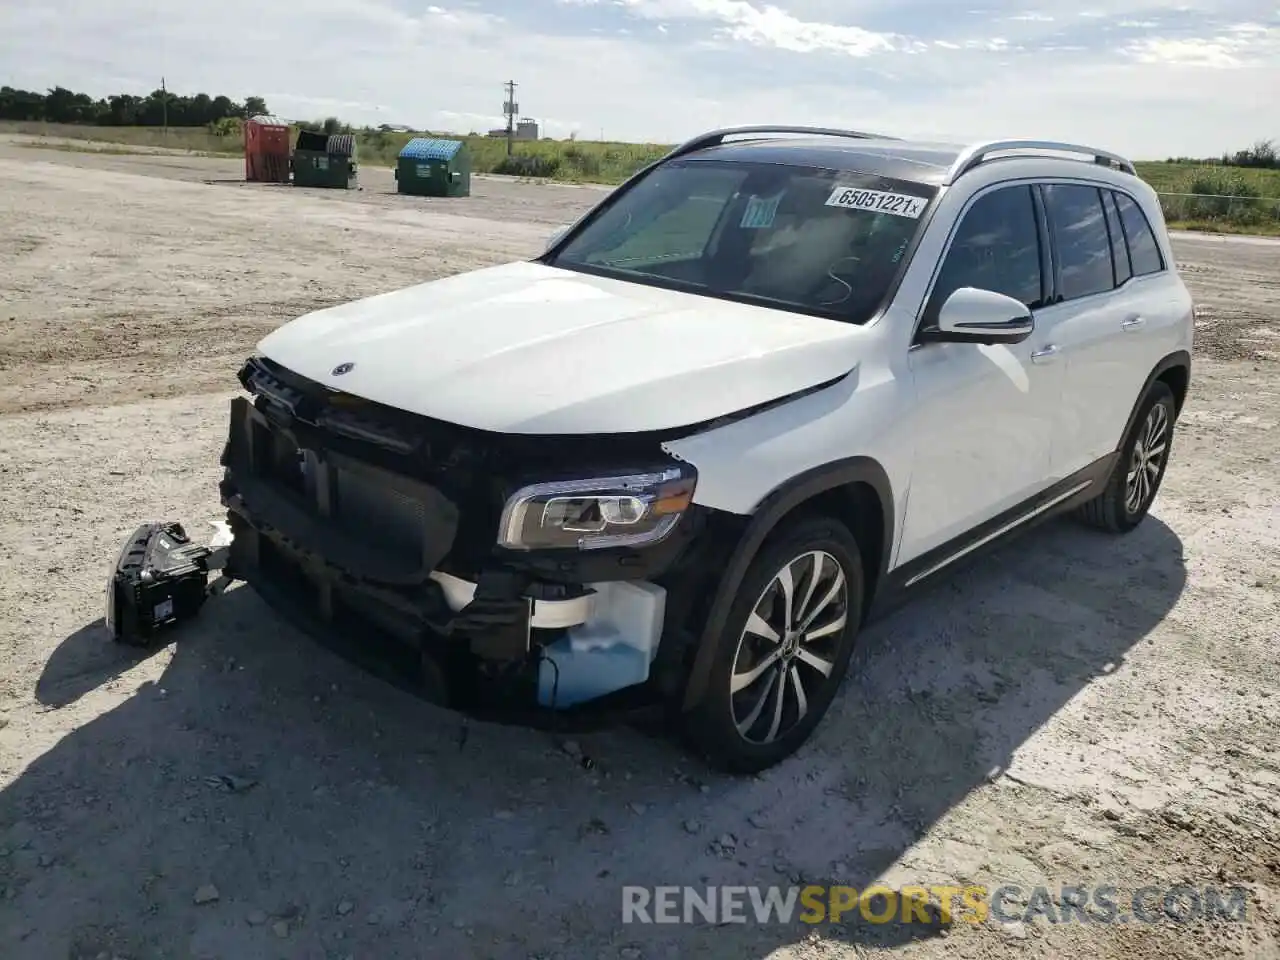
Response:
column 1077, row 711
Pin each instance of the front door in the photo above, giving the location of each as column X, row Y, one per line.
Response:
column 985, row 413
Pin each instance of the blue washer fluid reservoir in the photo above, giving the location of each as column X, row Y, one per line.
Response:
column 612, row 650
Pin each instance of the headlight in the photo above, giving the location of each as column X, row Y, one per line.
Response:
column 620, row 511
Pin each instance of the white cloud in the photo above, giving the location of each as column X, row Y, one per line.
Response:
column 1136, row 77
column 1203, row 53
column 768, row 25
column 1238, row 46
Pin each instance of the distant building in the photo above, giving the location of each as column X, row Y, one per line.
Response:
column 525, row 129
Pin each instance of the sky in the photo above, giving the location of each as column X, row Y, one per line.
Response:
column 1146, row 79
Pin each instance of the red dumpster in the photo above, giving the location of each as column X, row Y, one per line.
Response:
column 266, row 150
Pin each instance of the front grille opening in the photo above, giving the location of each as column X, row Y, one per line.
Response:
column 286, row 574
column 377, row 514
column 373, row 624
column 362, row 636
column 277, row 459
column 355, row 632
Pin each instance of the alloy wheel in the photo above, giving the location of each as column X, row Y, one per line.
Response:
column 787, row 650
column 1147, row 458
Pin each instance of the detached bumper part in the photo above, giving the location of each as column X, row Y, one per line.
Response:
column 159, row 578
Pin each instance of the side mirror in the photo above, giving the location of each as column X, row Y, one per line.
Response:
column 971, row 315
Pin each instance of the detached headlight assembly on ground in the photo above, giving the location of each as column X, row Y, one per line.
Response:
column 628, row 510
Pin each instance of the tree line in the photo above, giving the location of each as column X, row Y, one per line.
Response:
column 1263, row 155
column 61, row 105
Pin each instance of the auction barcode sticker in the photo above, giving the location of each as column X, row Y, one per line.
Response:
column 877, row 201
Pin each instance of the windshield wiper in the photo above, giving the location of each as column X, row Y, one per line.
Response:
column 666, row 281
column 664, row 256
column 621, row 273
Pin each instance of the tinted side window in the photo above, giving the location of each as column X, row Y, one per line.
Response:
column 1080, row 232
column 996, row 247
column 1143, row 250
column 1119, row 249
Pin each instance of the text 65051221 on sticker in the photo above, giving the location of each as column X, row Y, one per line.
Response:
column 877, row 201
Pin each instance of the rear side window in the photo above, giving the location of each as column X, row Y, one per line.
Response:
column 996, row 247
column 1144, row 252
column 1079, row 227
column 1119, row 249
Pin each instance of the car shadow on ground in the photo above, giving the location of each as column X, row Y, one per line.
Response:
column 337, row 816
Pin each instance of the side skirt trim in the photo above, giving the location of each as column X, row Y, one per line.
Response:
column 1000, row 531
column 919, row 572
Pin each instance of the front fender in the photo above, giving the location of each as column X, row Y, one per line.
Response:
column 741, row 464
column 764, row 521
column 768, row 464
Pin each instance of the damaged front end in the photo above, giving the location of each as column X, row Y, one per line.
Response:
column 522, row 576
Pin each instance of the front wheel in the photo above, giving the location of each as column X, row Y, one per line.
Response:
column 1136, row 477
column 784, row 648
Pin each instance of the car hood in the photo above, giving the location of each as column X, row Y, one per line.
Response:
column 527, row 348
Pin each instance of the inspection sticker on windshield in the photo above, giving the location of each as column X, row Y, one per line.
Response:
column 760, row 212
column 876, row 201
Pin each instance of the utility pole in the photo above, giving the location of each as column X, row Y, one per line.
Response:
column 509, row 108
column 164, row 108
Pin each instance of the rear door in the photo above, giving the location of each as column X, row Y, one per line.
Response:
column 1107, row 309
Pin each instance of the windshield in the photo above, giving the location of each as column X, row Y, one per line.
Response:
column 815, row 240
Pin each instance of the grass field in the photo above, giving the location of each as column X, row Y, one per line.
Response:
column 1216, row 198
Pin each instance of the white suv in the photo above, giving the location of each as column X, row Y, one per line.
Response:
column 765, row 385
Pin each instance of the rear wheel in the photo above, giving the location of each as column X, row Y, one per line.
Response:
column 1136, row 477
column 784, row 649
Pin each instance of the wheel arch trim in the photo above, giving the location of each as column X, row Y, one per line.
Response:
column 764, row 520
column 1177, row 359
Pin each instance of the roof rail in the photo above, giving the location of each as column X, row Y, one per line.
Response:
column 979, row 153
column 717, row 137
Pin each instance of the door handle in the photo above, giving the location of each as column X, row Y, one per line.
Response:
column 1132, row 322
column 1045, row 355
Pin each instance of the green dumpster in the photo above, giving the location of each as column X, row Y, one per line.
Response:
column 430, row 167
column 321, row 160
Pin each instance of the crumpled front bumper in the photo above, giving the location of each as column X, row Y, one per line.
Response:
column 357, row 542
column 359, row 548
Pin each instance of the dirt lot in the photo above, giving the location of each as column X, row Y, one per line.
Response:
column 1078, row 711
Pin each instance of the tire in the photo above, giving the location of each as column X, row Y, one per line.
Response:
column 713, row 726
column 1122, row 505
